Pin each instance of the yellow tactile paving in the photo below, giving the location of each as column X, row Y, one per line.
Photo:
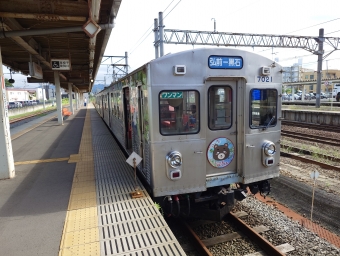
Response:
column 82, row 213
column 84, row 249
column 81, row 234
column 81, row 190
column 83, row 196
column 74, row 158
column 81, row 184
column 80, row 204
column 78, row 224
column 86, row 177
column 85, row 166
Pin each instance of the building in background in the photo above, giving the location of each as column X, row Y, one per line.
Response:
column 326, row 86
column 21, row 94
column 40, row 94
column 17, row 94
column 292, row 74
column 297, row 73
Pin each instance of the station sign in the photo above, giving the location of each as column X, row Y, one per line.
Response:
column 61, row 64
column 225, row 62
column 35, row 70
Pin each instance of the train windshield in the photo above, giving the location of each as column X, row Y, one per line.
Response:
column 220, row 112
column 263, row 108
column 179, row 112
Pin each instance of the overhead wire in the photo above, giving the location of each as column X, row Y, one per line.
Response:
column 307, row 28
column 313, row 25
column 150, row 28
column 332, row 32
column 144, row 37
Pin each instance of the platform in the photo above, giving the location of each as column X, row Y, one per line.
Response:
column 313, row 116
column 71, row 195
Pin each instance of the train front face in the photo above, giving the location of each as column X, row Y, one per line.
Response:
column 215, row 123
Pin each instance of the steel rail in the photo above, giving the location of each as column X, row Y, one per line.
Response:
column 246, row 230
column 330, row 128
column 310, row 161
column 201, row 247
column 30, row 116
column 308, row 152
column 314, row 138
column 254, row 236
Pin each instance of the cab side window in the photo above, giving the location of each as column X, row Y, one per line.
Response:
column 179, row 112
column 263, row 108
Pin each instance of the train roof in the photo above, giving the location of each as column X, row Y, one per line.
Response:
column 192, row 59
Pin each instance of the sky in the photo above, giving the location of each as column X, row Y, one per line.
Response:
column 134, row 23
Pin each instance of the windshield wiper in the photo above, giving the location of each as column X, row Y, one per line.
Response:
column 270, row 122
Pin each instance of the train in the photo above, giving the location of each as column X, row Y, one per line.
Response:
column 205, row 123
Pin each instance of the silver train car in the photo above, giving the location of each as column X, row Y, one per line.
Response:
column 206, row 123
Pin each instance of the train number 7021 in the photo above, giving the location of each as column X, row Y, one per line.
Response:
column 264, row 79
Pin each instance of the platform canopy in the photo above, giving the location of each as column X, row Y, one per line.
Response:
column 38, row 37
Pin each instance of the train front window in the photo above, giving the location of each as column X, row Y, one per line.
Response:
column 179, row 112
column 220, row 98
column 263, row 108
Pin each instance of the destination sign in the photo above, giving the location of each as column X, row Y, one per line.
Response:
column 172, row 95
column 225, row 62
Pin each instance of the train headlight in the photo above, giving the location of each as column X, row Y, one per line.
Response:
column 268, row 151
column 174, row 159
column 269, row 148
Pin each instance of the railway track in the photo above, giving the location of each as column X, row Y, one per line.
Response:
column 302, row 154
column 243, row 231
column 323, row 127
column 313, row 138
column 309, row 152
column 17, row 120
column 311, row 161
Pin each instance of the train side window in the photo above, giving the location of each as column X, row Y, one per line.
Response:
column 220, row 107
column 263, row 108
column 179, row 112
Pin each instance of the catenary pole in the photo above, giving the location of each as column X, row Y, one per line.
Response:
column 161, row 31
column 155, row 29
column 126, row 63
column 319, row 71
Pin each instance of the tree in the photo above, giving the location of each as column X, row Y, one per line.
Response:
column 7, row 83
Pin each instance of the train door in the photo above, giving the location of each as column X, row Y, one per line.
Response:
column 221, row 142
column 141, row 123
column 109, row 97
column 127, row 120
column 102, row 106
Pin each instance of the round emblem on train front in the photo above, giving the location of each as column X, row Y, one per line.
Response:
column 220, row 152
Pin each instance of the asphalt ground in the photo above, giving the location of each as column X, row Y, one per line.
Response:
column 33, row 205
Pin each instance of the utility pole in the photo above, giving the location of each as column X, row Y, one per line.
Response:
column 320, row 40
column 161, row 31
column 155, row 30
column 214, row 24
